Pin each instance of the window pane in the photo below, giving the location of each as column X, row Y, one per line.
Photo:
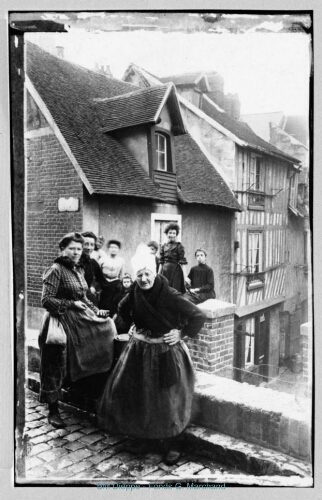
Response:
column 161, row 161
column 161, row 149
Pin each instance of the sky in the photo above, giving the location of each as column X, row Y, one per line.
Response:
column 269, row 71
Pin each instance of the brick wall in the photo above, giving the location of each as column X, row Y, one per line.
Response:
column 212, row 350
column 306, row 335
column 50, row 176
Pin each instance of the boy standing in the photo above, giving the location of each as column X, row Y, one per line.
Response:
column 200, row 282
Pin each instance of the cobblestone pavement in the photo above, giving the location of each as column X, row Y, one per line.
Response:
column 81, row 451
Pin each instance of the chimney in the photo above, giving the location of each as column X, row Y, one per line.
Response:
column 60, row 51
column 232, row 105
column 103, row 70
column 216, row 84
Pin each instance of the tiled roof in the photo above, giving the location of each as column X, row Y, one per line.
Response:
column 243, row 131
column 128, row 110
column 198, row 180
column 68, row 91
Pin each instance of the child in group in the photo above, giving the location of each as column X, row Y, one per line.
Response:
column 200, row 281
column 127, row 282
column 112, row 268
column 172, row 259
column 154, row 247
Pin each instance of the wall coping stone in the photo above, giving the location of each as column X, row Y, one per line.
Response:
column 214, row 308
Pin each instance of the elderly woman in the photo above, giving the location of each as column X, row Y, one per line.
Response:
column 149, row 393
column 89, row 333
column 172, row 258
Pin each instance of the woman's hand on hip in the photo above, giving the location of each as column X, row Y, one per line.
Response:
column 103, row 313
column 80, row 305
column 172, row 337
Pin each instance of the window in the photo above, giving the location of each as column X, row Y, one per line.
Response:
column 256, row 200
column 250, row 342
column 161, row 149
column 293, row 190
column 255, row 252
column 255, row 173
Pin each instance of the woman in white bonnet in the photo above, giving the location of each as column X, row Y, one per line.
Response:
column 149, row 393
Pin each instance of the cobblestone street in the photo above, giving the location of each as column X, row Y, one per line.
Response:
column 81, row 451
column 83, row 454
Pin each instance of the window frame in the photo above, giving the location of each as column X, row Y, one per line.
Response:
column 257, row 174
column 260, row 249
column 250, row 328
column 159, row 135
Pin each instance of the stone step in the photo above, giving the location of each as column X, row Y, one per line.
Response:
column 251, row 458
column 257, row 415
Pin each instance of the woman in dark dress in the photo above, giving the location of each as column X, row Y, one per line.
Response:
column 93, row 273
column 90, row 334
column 149, row 393
column 172, row 258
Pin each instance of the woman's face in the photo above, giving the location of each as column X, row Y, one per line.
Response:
column 172, row 234
column 73, row 251
column 145, row 279
column 113, row 249
column 89, row 245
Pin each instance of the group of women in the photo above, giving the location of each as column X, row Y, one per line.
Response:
column 148, row 394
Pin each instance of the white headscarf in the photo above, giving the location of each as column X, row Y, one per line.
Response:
column 143, row 259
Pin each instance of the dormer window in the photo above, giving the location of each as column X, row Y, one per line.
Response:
column 161, row 149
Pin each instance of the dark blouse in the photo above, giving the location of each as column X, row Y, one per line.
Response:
column 92, row 271
column 173, row 252
column 63, row 284
column 170, row 304
column 202, row 277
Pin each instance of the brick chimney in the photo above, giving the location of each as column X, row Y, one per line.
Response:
column 103, row 70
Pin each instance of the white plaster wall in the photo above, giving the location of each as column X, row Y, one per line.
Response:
column 221, row 150
column 136, row 142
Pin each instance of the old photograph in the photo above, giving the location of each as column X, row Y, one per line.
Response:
column 162, row 171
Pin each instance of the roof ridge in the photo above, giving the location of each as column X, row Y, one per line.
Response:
column 140, row 91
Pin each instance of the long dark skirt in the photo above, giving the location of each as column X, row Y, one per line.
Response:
column 89, row 350
column 108, row 299
column 174, row 274
column 140, row 400
column 199, row 298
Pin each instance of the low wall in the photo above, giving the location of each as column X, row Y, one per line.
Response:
column 213, row 348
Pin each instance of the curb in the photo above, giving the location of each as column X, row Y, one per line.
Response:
column 251, row 458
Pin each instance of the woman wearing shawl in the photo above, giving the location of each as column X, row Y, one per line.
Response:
column 149, row 393
column 89, row 333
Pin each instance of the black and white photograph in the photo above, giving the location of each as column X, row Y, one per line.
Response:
column 162, row 169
